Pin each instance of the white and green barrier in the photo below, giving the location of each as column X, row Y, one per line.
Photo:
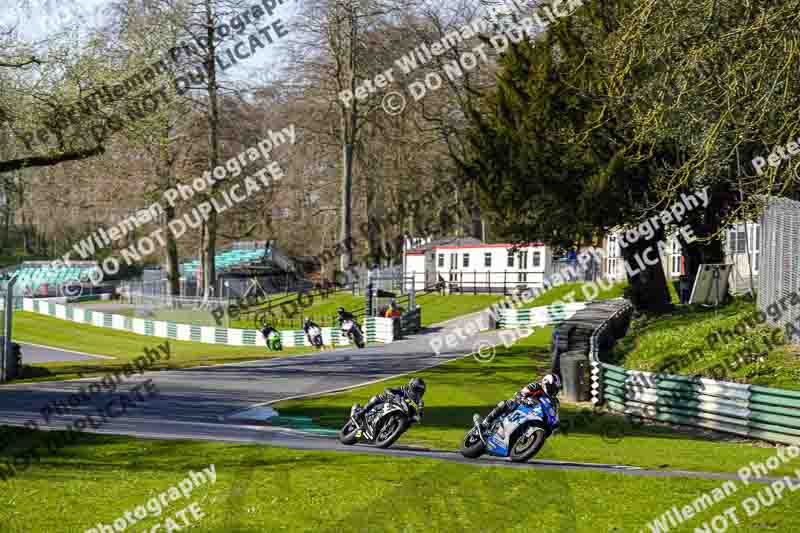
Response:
column 747, row 410
column 751, row 411
column 379, row 329
column 510, row 318
column 375, row 329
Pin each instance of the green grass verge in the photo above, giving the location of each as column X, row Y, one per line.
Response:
column 259, row 488
column 653, row 343
column 179, row 316
column 125, row 346
column 460, row 388
column 321, row 308
column 437, row 308
column 574, row 292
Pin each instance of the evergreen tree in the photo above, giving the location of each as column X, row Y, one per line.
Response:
column 551, row 161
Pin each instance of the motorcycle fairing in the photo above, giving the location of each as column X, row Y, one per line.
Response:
column 497, row 442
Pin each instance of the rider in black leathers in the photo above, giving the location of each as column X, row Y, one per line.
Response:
column 414, row 391
column 345, row 315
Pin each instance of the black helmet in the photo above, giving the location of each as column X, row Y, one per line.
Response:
column 417, row 386
column 340, row 310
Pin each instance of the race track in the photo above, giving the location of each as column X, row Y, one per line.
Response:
column 202, row 402
column 37, row 353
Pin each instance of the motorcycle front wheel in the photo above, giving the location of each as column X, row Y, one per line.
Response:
column 390, row 430
column 526, row 447
column 347, row 435
column 472, row 446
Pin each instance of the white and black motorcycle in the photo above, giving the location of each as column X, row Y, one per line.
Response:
column 353, row 332
column 314, row 334
column 383, row 424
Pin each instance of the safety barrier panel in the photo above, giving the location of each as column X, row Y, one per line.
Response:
column 748, row 410
column 538, row 316
column 379, row 329
column 375, row 329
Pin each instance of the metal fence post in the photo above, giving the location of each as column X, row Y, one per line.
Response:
column 7, row 326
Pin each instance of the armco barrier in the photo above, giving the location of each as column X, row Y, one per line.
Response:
column 747, row 410
column 375, row 329
column 511, row 318
column 577, row 336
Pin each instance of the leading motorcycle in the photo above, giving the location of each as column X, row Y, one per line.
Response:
column 353, row 332
column 383, row 424
column 518, row 435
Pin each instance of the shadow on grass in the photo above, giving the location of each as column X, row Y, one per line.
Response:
column 460, row 389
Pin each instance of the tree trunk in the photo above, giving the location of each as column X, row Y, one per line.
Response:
column 477, row 222
column 8, row 193
column 349, row 125
column 647, row 288
column 171, row 253
column 703, row 224
column 210, row 274
column 346, row 233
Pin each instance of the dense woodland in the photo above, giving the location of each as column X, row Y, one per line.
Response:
column 587, row 122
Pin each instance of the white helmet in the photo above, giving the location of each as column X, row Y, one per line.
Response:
column 551, row 384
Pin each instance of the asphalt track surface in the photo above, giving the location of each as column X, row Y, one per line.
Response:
column 208, row 403
column 36, row 353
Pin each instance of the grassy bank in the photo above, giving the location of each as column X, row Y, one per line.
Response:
column 436, row 308
column 686, row 341
column 122, row 345
column 578, row 292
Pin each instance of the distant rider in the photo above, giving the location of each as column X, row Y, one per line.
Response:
column 268, row 330
column 311, row 329
column 529, row 395
column 414, row 391
column 345, row 315
column 271, row 336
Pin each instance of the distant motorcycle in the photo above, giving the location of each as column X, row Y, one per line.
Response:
column 353, row 332
column 314, row 334
column 272, row 338
column 518, row 435
column 383, row 424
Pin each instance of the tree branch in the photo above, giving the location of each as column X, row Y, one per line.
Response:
column 46, row 161
column 31, row 61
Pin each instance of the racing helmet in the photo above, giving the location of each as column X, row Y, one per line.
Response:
column 417, row 387
column 551, row 384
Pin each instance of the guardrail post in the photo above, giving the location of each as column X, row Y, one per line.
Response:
column 8, row 369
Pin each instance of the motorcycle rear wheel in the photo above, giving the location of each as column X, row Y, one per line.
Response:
column 472, row 446
column 526, row 447
column 358, row 339
column 386, row 436
column 347, row 435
